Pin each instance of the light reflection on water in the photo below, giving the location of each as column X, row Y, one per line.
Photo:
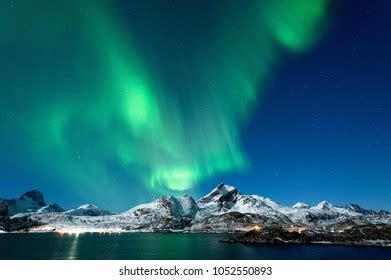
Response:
column 73, row 248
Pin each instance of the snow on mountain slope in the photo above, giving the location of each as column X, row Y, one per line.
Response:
column 189, row 206
column 328, row 207
column 255, row 204
column 300, row 205
column 358, row 209
column 164, row 213
column 87, row 210
column 168, row 206
column 231, row 222
column 221, row 199
column 50, row 208
column 223, row 209
column 224, row 199
column 324, row 205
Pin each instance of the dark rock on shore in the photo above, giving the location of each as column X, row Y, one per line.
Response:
column 271, row 235
column 370, row 235
column 357, row 234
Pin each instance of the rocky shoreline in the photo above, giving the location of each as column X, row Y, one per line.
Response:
column 365, row 235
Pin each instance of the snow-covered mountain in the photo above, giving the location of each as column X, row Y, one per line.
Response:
column 164, row 213
column 358, row 209
column 87, row 210
column 29, row 202
column 225, row 199
column 50, row 208
column 224, row 209
column 300, row 205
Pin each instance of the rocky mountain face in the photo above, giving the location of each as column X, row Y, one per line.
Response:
column 164, row 214
column 358, row 209
column 219, row 200
column 4, row 220
column 231, row 222
column 87, row 210
column 50, row 209
column 224, row 209
column 29, row 202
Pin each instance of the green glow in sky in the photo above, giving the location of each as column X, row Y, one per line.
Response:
column 99, row 114
column 295, row 24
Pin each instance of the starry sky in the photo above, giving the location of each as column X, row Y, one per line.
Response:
column 118, row 102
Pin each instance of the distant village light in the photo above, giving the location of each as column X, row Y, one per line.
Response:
column 257, row 228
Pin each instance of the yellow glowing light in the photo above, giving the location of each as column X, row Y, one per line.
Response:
column 257, row 228
column 76, row 231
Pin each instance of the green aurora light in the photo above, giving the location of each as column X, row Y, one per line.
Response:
column 99, row 102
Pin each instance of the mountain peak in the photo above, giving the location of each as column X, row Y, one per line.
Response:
column 323, row 205
column 221, row 198
column 88, row 207
column 300, row 205
column 34, row 195
column 358, row 209
column 28, row 202
column 222, row 190
column 223, row 209
column 226, row 188
column 88, row 210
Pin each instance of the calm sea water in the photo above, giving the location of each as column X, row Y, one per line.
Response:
column 166, row 246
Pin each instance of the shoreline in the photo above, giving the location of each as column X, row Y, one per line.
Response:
column 365, row 243
column 323, row 243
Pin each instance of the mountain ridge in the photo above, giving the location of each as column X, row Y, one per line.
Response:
column 223, row 209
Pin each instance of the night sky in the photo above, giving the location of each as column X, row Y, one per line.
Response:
column 118, row 102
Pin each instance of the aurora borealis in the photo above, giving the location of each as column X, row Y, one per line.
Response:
column 148, row 97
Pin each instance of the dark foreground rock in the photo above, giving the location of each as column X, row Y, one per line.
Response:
column 369, row 235
column 4, row 219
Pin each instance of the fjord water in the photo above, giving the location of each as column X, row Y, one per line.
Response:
column 165, row 246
